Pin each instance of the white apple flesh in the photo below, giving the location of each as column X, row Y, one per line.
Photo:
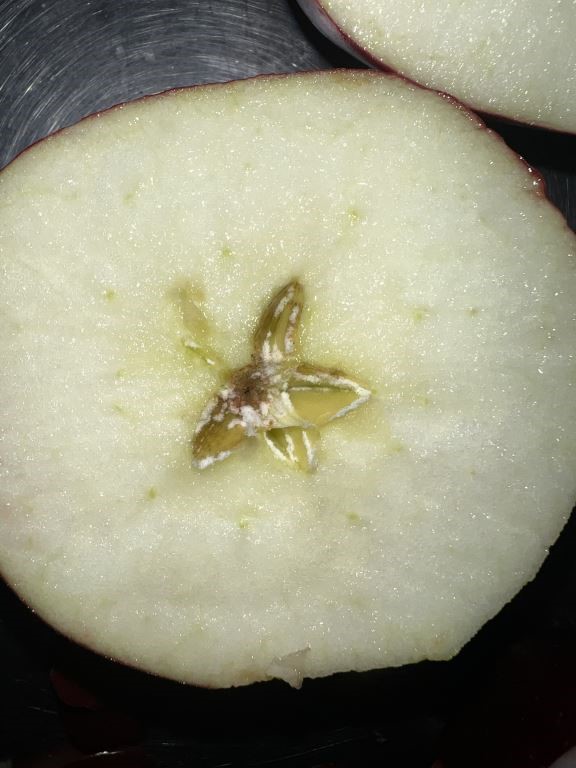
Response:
column 514, row 59
column 435, row 272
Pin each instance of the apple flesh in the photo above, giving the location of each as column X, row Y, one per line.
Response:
column 516, row 60
column 434, row 271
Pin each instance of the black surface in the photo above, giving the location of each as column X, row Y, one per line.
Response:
column 507, row 700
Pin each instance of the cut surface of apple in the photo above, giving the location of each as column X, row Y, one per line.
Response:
column 141, row 252
column 515, row 59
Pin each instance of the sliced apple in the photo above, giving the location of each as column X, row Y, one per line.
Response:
column 394, row 275
column 515, row 59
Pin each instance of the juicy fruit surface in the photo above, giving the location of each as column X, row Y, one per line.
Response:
column 515, row 58
column 434, row 271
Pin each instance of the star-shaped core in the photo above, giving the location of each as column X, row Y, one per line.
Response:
column 275, row 396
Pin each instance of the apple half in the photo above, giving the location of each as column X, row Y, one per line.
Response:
column 149, row 252
column 514, row 59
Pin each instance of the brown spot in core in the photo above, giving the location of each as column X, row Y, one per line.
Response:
column 250, row 388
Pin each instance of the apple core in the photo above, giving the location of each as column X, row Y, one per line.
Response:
column 275, row 395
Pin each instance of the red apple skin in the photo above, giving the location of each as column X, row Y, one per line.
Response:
column 323, row 21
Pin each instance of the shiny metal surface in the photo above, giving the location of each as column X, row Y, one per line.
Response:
column 63, row 59
column 59, row 61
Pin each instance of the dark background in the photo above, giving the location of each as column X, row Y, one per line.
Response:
column 509, row 699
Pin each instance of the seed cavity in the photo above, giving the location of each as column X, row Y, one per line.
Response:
column 188, row 300
column 293, row 445
column 276, row 397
